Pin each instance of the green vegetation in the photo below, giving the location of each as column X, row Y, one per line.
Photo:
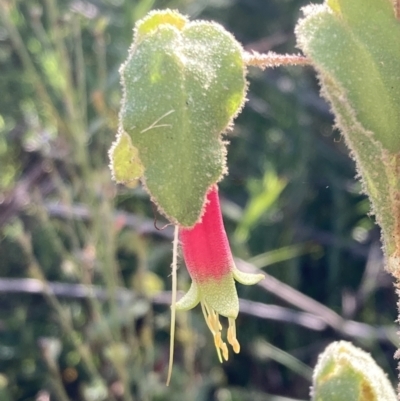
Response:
column 85, row 265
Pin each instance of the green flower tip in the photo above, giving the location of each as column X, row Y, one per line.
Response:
column 219, row 297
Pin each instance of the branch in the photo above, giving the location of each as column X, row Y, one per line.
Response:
column 251, row 308
column 320, row 315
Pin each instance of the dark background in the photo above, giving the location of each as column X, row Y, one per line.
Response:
column 291, row 207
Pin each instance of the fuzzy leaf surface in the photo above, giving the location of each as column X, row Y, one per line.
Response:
column 354, row 46
column 183, row 82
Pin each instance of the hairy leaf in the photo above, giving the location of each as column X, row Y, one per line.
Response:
column 354, row 45
column 183, row 84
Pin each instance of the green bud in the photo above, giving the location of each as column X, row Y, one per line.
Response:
column 183, row 83
column 344, row 372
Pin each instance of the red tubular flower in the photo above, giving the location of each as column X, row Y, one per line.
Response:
column 210, row 264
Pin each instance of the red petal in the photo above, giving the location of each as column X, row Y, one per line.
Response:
column 205, row 246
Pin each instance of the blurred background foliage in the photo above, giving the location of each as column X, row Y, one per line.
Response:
column 84, row 286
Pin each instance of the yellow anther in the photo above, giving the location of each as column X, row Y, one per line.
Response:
column 232, row 336
column 236, row 346
column 212, row 319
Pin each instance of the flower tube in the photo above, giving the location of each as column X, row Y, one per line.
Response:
column 210, row 264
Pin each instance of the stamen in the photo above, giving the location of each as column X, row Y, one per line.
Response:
column 232, row 340
column 218, row 340
column 212, row 319
column 213, row 323
column 216, row 324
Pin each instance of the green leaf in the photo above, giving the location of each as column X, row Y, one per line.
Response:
column 358, row 48
column 354, row 45
column 183, row 84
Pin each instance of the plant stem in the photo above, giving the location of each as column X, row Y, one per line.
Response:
column 271, row 59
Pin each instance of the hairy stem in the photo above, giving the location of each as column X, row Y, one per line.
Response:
column 271, row 59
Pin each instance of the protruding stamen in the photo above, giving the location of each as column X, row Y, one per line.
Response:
column 213, row 323
column 215, row 320
column 232, row 340
column 218, row 340
column 225, row 352
column 206, row 316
